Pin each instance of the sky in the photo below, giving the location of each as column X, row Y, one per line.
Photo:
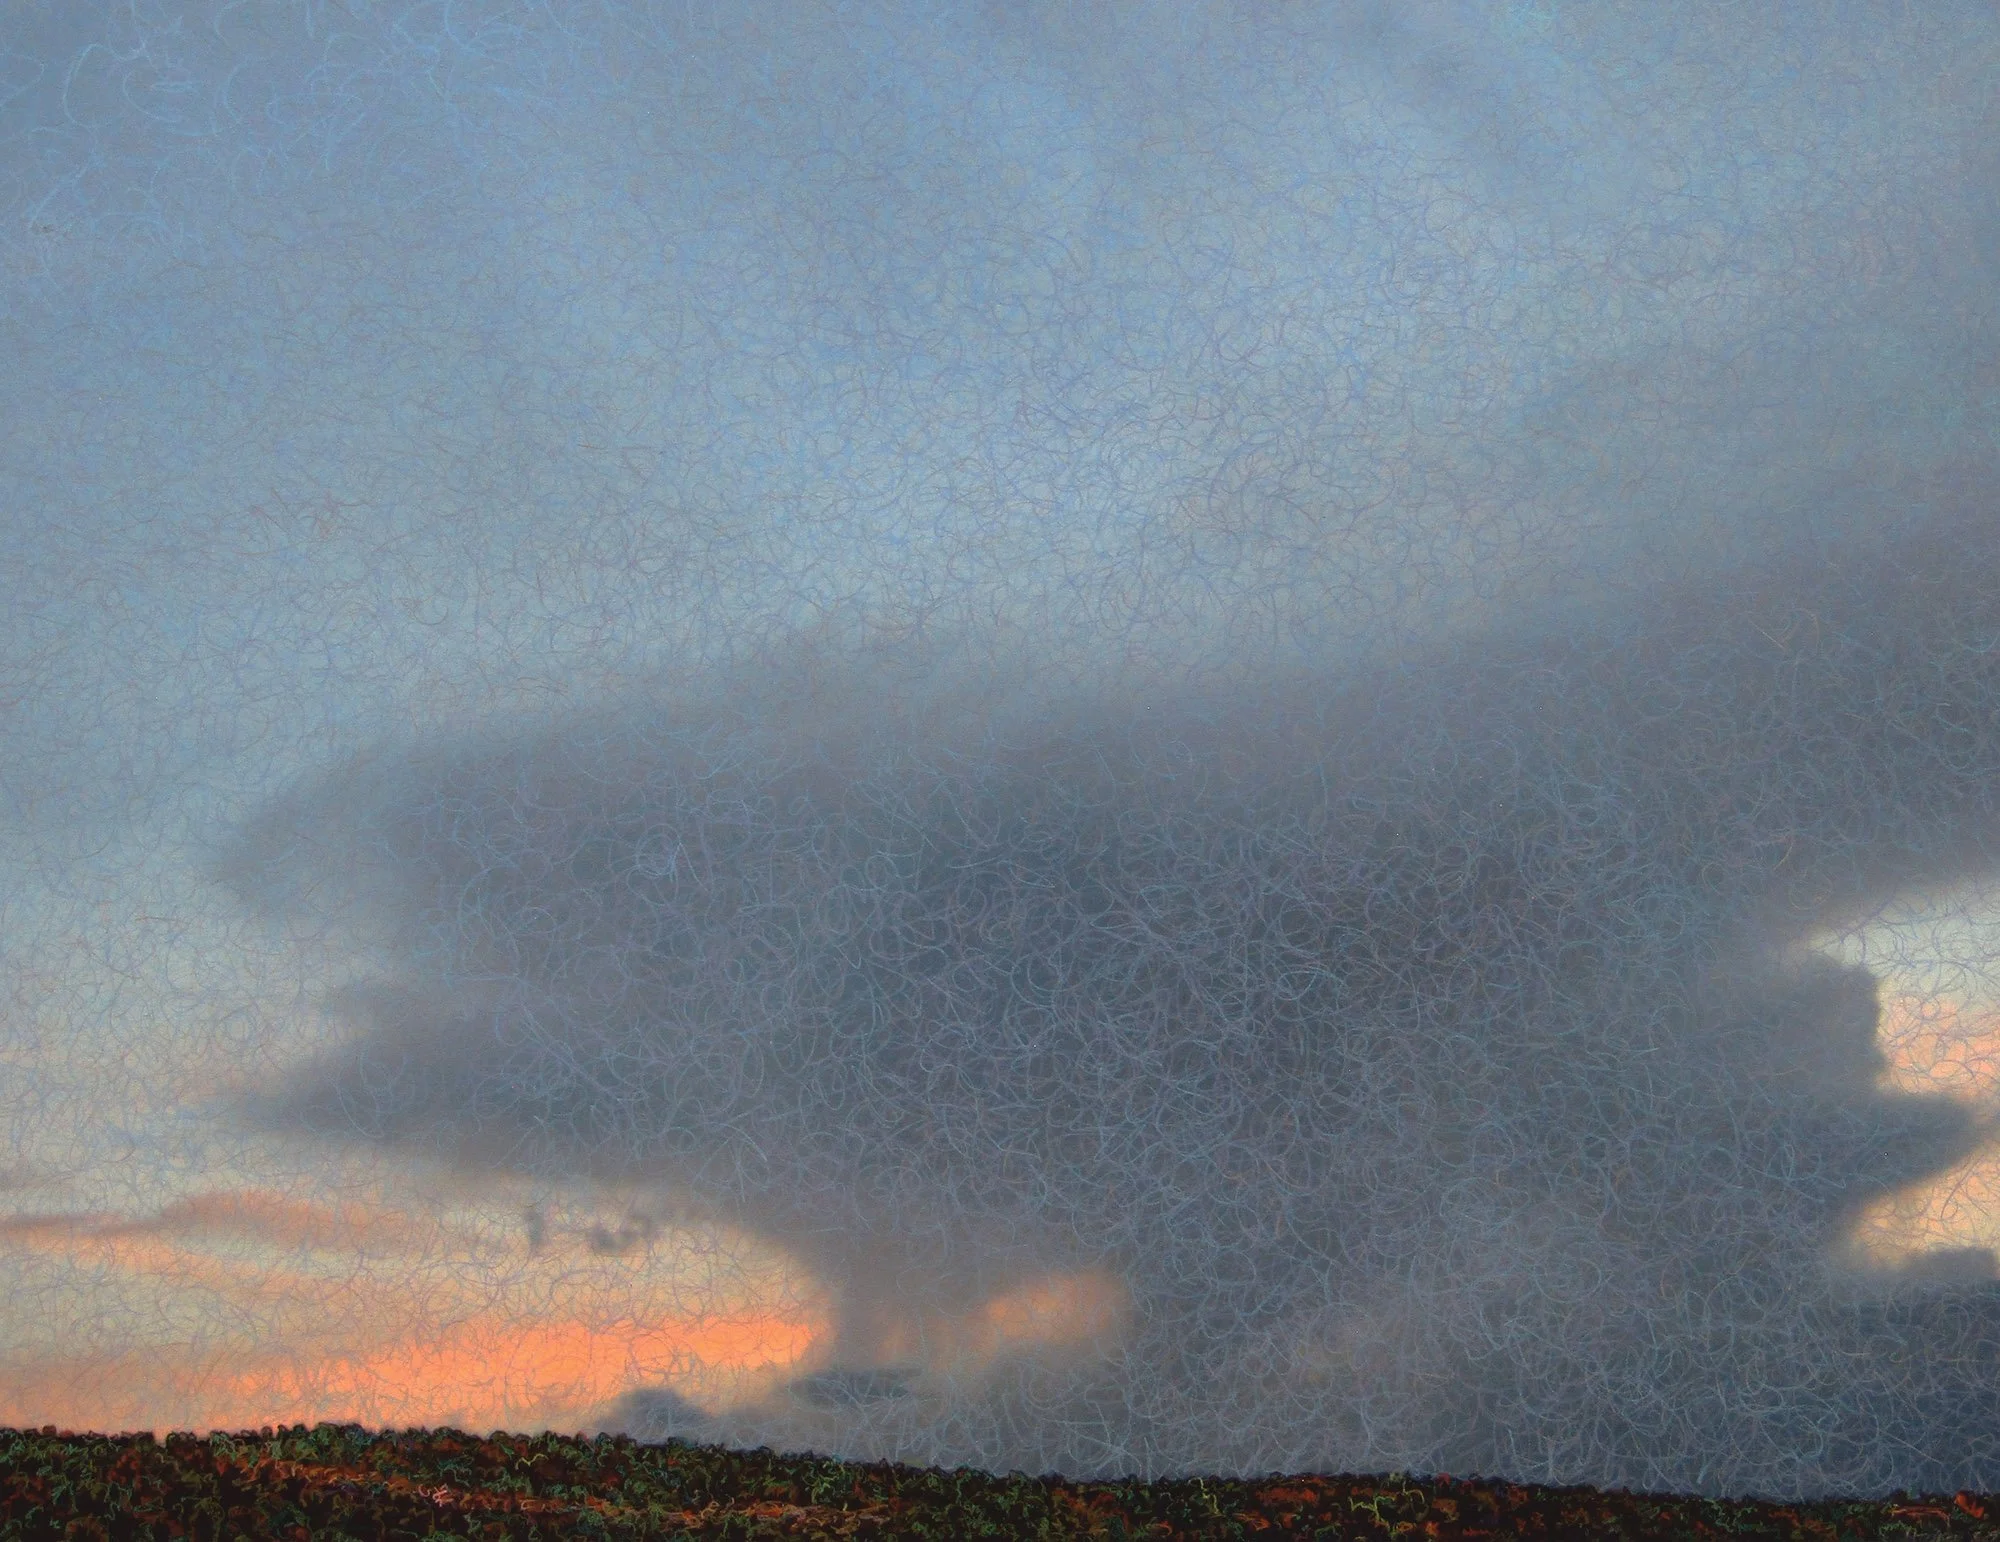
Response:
column 1108, row 738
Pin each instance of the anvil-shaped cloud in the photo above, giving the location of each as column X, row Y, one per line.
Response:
column 1424, row 1048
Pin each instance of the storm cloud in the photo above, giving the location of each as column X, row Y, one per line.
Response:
column 1207, row 674
column 1423, row 1047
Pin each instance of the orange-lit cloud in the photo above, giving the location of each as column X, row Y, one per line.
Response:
column 1938, row 1046
column 1053, row 1311
column 497, row 1373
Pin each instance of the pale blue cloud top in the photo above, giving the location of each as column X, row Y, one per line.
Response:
column 1115, row 738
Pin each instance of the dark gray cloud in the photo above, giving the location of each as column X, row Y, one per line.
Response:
column 1455, row 995
column 1227, row 647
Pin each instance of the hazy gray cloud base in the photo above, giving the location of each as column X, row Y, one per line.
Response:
column 1227, row 644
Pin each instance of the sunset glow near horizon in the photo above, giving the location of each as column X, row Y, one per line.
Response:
column 430, row 1302
column 446, row 1322
column 458, row 1318
column 1125, row 737
column 1940, row 1037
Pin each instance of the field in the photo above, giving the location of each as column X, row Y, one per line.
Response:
column 336, row 1481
